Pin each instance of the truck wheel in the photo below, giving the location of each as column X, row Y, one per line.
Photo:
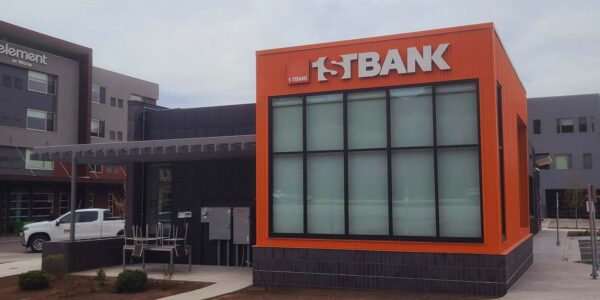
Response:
column 37, row 242
column 121, row 233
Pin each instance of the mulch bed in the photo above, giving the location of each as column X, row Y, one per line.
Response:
column 86, row 287
column 345, row 294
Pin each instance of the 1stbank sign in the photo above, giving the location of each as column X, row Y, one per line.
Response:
column 22, row 56
column 368, row 64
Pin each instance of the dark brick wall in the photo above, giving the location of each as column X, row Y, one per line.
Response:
column 85, row 254
column 421, row 272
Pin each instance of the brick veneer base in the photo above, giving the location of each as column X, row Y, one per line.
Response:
column 85, row 254
column 421, row 272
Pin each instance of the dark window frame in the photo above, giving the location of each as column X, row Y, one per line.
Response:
column 561, row 129
column 588, row 162
column 388, row 148
column 500, row 119
column 582, row 125
column 537, row 126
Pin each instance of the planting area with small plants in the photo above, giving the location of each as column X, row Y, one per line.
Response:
column 91, row 287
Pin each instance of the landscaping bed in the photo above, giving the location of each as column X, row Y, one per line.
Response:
column 346, row 294
column 87, row 287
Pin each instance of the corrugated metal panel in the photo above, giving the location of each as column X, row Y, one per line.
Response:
column 515, row 107
column 470, row 56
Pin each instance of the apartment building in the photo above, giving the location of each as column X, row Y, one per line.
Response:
column 51, row 94
column 565, row 127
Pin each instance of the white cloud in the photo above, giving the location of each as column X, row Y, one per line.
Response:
column 202, row 53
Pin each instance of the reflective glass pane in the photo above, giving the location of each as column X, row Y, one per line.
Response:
column 287, row 124
column 458, row 192
column 456, row 112
column 287, row 194
column 413, row 193
column 325, row 193
column 367, row 193
column 324, row 122
column 36, row 120
column 411, row 117
column 367, row 120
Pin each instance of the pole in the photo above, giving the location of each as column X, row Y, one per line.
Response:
column 557, row 236
column 73, row 195
column 592, row 213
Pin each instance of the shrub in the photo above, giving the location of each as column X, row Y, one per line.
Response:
column 131, row 281
column 19, row 225
column 34, row 280
column 55, row 264
column 101, row 277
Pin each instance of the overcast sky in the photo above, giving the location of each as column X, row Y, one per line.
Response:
column 202, row 53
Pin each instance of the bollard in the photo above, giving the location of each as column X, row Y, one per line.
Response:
column 591, row 208
column 557, row 235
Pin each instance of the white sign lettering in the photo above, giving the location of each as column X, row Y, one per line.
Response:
column 22, row 56
column 369, row 66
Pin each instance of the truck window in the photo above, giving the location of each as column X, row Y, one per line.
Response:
column 86, row 216
column 81, row 217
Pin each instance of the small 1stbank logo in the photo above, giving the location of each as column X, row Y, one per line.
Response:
column 297, row 72
column 368, row 64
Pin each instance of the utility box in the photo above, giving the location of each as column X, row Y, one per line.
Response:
column 219, row 222
column 241, row 225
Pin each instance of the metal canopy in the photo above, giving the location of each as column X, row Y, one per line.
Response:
column 201, row 148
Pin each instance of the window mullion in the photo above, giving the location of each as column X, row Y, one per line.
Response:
column 389, row 162
column 435, row 163
column 345, row 119
column 304, row 169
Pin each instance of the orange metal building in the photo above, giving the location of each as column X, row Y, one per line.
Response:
column 474, row 239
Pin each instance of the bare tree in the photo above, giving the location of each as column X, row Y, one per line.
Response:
column 574, row 197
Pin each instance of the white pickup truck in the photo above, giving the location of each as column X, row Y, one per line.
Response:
column 89, row 224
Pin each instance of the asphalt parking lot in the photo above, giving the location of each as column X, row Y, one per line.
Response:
column 11, row 250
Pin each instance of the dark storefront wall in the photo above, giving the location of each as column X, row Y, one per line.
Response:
column 197, row 184
column 42, row 201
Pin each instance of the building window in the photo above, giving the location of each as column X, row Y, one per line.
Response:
column 97, row 129
column 40, row 120
column 64, row 203
column 95, row 168
column 537, row 126
column 98, row 94
column 31, row 164
column 388, row 156
column 565, row 125
column 587, row 160
column 40, row 82
column 582, row 124
column 111, row 135
column 500, row 122
column 562, row 161
column 113, row 101
column 135, row 97
column 91, row 200
column 18, row 83
column 110, row 204
column 120, row 103
column 6, row 81
column 119, row 135
column 4, row 162
column 18, row 206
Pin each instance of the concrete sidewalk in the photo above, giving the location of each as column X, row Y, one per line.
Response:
column 225, row 279
column 551, row 277
column 18, row 267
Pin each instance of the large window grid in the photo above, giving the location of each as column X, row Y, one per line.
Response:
column 389, row 150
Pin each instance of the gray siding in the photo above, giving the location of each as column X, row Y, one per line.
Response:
column 548, row 110
column 117, row 86
column 15, row 103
